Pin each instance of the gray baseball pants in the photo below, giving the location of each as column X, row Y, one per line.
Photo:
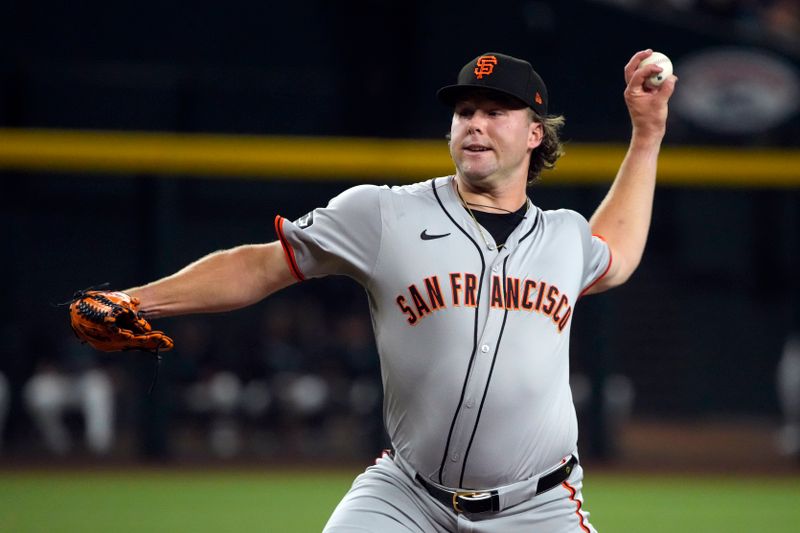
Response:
column 387, row 499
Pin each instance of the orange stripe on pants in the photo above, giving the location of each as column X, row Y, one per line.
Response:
column 572, row 493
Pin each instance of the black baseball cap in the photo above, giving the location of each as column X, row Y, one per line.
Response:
column 501, row 73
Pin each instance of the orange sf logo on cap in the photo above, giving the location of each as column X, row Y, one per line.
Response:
column 538, row 98
column 485, row 66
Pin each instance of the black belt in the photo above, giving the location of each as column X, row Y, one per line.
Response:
column 489, row 500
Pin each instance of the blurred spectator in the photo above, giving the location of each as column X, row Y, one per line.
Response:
column 301, row 372
column 218, row 395
column 356, row 349
column 72, row 381
column 788, row 385
column 207, row 385
column 283, row 380
column 315, row 383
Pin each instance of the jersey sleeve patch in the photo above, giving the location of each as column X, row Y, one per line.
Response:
column 288, row 251
column 342, row 238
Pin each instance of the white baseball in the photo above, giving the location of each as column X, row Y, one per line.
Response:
column 657, row 58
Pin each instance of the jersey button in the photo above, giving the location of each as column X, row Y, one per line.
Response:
column 495, row 268
column 485, row 348
column 470, row 404
column 455, row 457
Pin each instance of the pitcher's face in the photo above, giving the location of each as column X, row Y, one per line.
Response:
column 491, row 140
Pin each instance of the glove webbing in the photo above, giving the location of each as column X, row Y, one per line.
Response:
column 96, row 315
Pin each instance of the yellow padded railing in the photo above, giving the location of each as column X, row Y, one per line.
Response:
column 360, row 159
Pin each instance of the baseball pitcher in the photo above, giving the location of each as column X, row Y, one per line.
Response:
column 472, row 290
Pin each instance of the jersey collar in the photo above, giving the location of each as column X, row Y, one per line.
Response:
column 525, row 230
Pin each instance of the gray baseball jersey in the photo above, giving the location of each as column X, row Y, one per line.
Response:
column 473, row 339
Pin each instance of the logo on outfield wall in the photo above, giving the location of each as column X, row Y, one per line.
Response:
column 736, row 91
column 305, row 221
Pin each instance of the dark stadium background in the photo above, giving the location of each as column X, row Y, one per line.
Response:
column 699, row 330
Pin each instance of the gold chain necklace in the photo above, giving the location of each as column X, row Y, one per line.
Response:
column 489, row 245
column 475, row 220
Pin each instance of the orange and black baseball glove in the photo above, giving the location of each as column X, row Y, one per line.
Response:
column 111, row 321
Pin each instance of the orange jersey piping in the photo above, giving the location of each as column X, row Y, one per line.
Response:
column 288, row 251
column 608, row 267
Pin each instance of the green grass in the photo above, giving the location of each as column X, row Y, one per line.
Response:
column 175, row 501
column 168, row 502
column 690, row 504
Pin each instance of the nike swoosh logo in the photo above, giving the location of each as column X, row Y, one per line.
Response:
column 426, row 237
